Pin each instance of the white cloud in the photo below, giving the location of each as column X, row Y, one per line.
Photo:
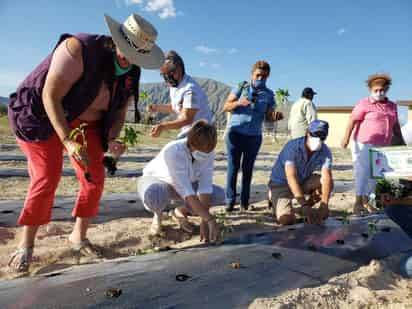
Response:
column 341, row 31
column 232, row 51
column 202, row 48
column 204, row 64
column 163, row 8
column 131, row 2
column 206, row 50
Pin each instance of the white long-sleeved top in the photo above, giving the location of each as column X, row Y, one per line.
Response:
column 174, row 164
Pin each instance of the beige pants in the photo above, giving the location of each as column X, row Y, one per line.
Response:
column 282, row 197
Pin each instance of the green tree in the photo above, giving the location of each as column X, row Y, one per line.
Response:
column 281, row 96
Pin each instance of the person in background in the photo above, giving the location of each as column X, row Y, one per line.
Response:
column 183, row 170
column 293, row 176
column 249, row 104
column 302, row 113
column 187, row 99
column 373, row 121
column 400, row 210
column 87, row 79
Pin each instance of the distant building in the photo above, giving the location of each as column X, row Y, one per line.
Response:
column 337, row 117
column 408, row 104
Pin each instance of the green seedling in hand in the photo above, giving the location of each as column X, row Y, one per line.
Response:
column 129, row 138
column 74, row 135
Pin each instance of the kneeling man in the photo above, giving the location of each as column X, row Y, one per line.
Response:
column 292, row 176
column 183, row 170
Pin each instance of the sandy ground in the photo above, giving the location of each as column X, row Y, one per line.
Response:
column 373, row 286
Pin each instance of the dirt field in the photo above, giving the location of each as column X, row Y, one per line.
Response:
column 129, row 236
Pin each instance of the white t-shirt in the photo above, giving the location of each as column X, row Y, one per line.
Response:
column 188, row 94
column 175, row 165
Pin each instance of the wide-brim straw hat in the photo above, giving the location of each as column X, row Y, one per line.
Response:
column 136, row 38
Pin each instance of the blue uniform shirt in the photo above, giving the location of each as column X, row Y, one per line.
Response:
column 248, row 119
column 294, row 152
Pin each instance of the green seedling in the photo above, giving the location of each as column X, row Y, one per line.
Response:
column 345, row 218
column 392, row 188
column 74, row 136
column 372, row 228
column 260, row 220
column 223, row 222
column 130, row 139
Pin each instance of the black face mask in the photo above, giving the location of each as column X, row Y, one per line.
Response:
column 170, row 79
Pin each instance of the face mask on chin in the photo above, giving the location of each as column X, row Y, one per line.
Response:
column 200, row 156
column 118, row 70
column 314, row 143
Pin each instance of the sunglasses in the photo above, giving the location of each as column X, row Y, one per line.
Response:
column 319, row 134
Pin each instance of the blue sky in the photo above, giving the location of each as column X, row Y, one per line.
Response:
column 331, row 45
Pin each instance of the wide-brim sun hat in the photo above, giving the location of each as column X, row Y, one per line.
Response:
column 407, row 133
column 136, row 38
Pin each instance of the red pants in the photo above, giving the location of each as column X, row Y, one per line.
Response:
column 45, row 163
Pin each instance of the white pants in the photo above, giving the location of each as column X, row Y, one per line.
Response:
column 364, row 184
column 157, row 195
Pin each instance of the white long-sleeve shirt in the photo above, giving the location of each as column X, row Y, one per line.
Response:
column 175, row 165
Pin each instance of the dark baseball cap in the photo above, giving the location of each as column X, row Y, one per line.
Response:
column 308, row 91
column 319, row 128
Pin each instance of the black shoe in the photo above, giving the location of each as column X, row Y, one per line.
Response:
column 270, row 205
column 230, row 207
column 244, row 207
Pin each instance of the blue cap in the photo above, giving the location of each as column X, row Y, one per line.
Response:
column 319, row 128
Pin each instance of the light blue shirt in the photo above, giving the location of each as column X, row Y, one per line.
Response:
column 294, row 152
column 248, row 120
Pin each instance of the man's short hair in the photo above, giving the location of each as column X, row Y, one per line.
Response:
column 262, row 65
column 202, row 135
column 172, row 61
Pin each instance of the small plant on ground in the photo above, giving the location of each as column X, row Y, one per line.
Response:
column 224, row 224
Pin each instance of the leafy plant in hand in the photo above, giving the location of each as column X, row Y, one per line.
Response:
column 129, row 138
column 74, row 135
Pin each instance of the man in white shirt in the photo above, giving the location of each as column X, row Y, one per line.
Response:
column 183, row 170
column 187, row 99
column 302, row 113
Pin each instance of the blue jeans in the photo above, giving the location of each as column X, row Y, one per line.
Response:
column 402, row 216
column 239, row 145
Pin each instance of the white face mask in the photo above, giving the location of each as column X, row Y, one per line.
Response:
column 378, row 96
column 314, row 143
column 200, row 156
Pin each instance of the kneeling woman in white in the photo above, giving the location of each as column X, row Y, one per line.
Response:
column 184, row 170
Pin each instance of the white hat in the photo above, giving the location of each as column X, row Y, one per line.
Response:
column 136, row 38
column 407, row 133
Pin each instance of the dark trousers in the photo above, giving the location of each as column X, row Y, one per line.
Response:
column 241, row 149
column 402, row 216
